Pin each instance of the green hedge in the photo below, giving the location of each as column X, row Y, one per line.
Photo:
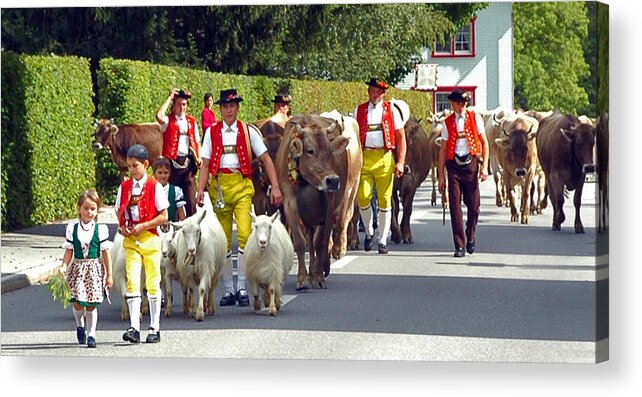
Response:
column 47, row 161
column 132, row 91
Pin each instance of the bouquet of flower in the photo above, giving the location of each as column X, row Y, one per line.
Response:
column 59, row 287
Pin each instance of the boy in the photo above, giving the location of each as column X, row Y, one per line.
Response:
column 142, row 206
column 162, row 172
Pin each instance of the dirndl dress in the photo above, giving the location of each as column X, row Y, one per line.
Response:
column 86, row 274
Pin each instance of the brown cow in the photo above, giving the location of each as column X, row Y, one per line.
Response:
column 517, row 156
column 565, row 149
column 272, row 136
column 434, row 144
column 418, row 162
column 119, row 138
column 602, row 138
column 492, row 124
column 308, row 182
column 348, row 167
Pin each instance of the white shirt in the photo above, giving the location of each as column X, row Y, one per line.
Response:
column 86, row 234
column 461, row 147
column 183, row 140
column 231, row 160
column 161, row 201
column 180, row 199
column 374, row 139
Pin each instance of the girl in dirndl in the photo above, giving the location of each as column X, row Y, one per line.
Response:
column 88, row 275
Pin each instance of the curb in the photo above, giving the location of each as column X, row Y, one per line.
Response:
column 33, row 276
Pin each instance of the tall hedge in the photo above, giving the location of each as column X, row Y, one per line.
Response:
column 132, row 91
column 47, row 114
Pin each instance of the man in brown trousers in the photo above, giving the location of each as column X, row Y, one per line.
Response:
column 464, row 154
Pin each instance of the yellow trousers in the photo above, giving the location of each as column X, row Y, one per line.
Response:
column 237, row 195
column 377, row 172
column 143, row 250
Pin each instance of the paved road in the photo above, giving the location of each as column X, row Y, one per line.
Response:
column 527, row 295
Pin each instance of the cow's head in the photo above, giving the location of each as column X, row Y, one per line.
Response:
column 313, row 149
column 272, row 136
column 518, row 143
column 581, row 136
column 105, row 130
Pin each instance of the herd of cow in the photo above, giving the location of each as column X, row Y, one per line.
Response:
column 318, row 159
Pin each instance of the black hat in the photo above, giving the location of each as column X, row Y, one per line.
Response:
column 229, row 96
column 375, row 82
column 138, row 151
column 458, row 95
column 183, row 94
column 282, row 98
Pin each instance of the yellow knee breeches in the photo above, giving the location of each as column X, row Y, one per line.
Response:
column 237, row 195
column 143, row 251
column 377, row 172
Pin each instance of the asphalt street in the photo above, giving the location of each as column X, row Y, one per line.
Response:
column 527, row 295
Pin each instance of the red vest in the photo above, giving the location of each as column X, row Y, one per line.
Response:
column 243, row 148
column 387, row 124
column 470, row 132
column 171, row 135
column 146, row 204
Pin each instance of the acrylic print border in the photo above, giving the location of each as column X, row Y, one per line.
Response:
column 357, row 342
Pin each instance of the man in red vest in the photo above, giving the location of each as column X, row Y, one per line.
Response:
column 383, row 140
column 181, row 145
column 227, row 153
column 464, row 154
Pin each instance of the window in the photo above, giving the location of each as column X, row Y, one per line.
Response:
column 440, row 97
column 461, row 45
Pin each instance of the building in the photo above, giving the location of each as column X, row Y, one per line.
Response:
column 479, row 59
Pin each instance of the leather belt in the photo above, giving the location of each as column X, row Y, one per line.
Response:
column 463, row 160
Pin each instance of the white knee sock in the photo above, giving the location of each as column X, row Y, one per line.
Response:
column 134, row 312
column 366, row 216
column 227, row 274
column 92, row 320
column 79, row 315
column 240, row 265
column 154, row 311
column 385, row 220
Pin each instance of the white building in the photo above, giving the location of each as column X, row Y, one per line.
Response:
column 479, row 59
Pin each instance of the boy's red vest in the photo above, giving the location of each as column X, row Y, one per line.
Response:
column 173, row 133
column 146, row 204
column 387, row 124
column 243, row 148
column 470, row 132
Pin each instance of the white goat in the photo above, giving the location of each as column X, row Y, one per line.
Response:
column 168, row 265
column 201, row 247
column 268, row 254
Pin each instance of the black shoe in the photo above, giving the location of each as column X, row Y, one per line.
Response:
column 228, row 299
column 242, row 298
column 153, row 337
column 470, row 247
column 91, row 342
column 81, row 335
column 131, row 335
column 367, row 244
column 383, row 249
column 459, row 252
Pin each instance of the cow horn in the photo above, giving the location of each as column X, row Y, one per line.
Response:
column 568, row 135
column 111, row 121
column 331, row 128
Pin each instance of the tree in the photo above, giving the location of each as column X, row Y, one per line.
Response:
column 317, row 41
column 549, row 57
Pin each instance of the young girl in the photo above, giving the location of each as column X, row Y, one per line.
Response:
column 87, row 274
